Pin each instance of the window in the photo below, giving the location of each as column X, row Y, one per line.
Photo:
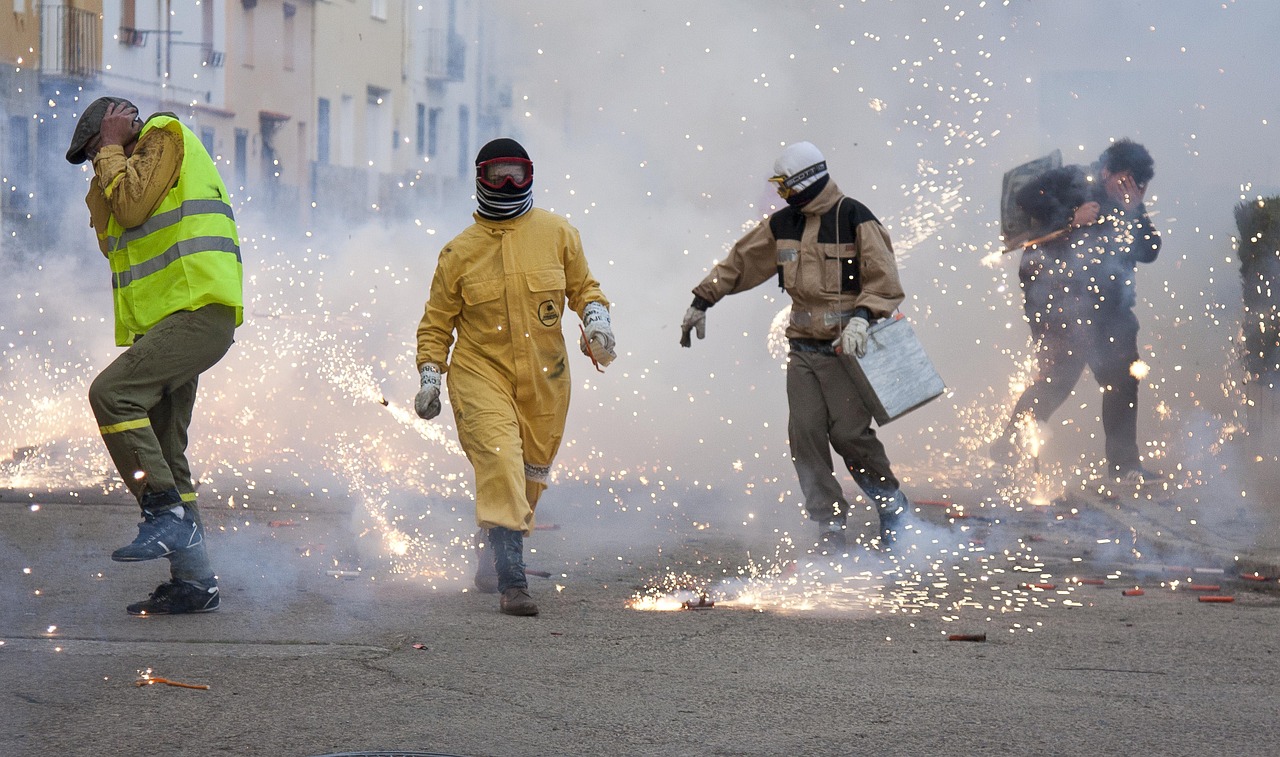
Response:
column 378, row 9
column 346, row 131
column 250, row 39
column 18, row 158
column 290, row 10
column 464, row 141
column 242, row 157
column 207, row 139
column 378, row 128
column 433, row 131
column 322, row 131
column 421, row 133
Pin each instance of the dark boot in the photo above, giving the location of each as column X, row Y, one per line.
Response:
column 893, row 513
column 486, row 579
column 831, row 536
column 508, row 558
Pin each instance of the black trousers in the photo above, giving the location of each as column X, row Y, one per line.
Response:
column 1106, row 342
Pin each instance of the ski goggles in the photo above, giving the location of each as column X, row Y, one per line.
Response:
column 787, row 184
column 500, row 172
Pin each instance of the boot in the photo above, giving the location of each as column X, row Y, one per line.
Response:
column 831, row 536
column 516, row 601
column 508, row 558
column 892, row 514
column 486, row 579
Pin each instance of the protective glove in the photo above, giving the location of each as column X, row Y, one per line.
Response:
column 694, row 319
column 853, row 340
column 597, row 340
column 427, row 403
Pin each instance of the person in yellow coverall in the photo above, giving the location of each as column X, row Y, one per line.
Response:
column 498, row 298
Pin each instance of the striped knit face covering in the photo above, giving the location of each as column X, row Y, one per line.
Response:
column 504, row 203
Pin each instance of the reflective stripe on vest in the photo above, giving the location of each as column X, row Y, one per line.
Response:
column 185, row 256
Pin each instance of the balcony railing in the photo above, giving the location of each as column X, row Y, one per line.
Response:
column 70, row 41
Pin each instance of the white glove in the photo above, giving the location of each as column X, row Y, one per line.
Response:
column 694, row 319
column 597, row 341
column 853, row 340
column 427, row 403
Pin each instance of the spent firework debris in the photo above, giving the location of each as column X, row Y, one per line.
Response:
column 702, row 604
column 146, row 679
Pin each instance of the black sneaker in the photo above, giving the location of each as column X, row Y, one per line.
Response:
column 178, row 597
column 161, row 535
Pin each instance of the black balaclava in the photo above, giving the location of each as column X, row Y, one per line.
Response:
column 806, row 195
column 509, row 201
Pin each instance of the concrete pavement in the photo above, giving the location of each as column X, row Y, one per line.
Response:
column 804, row 656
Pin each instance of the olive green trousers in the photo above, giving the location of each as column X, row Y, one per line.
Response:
column 143, row 402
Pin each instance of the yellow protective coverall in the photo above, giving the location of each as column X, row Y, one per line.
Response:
column 501, row 287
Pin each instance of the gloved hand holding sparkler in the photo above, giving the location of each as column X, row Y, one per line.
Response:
column 427, row 402
column 597, row 340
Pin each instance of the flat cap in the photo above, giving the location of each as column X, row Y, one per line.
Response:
column 88, row 126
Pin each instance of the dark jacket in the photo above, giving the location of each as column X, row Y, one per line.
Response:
column 1087, row 270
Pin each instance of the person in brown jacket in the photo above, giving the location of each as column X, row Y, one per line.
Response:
column 832, row 256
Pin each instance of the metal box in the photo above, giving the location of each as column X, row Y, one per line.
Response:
column 895, row 376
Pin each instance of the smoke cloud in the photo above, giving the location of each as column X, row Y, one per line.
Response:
column 654, row 127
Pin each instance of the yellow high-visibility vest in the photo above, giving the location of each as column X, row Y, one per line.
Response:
column 185, row 256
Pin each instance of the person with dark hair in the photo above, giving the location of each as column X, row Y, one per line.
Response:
column 1079, row 295
column 834, row 258
column 163, row 221
column 498, row 298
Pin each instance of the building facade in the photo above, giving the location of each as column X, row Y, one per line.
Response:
column 312, row 109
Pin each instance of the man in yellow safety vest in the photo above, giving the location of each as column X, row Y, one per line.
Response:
column 162, row 218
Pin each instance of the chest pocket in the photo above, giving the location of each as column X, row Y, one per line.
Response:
column 545, row 281
column 477, row 292
column 788, row 261
column 840, row 269
column 547, row 290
